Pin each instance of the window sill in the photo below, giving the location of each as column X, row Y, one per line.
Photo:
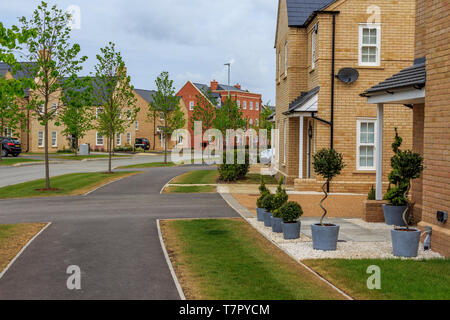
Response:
column 370, row 67
column 365, row 172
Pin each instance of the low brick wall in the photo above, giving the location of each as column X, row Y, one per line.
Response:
column 373, row 211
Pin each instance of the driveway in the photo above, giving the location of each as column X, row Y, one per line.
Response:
column 110, row 234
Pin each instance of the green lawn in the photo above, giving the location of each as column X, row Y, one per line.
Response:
column 69, row 184
column 400, row 279
column 190, row 189
column 149, row 165
column 254, row 178
column 95, row 156
column 197, row 177
column 225, row 259
column 12, row 161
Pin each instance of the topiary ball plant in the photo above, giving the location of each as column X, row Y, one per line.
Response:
column 267, row 202
column 263, row 191
column 327, row 163
column 290, row 212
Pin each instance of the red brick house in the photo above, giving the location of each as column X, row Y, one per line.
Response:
column 250, row 103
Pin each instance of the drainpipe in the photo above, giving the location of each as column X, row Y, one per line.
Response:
column 333, row 59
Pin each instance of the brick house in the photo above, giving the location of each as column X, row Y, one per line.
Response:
column 32, row 137
column 250, row 103
column 425, row 87
column 315, row 40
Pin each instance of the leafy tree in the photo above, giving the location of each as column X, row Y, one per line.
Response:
column 114, row 93
column 265, row 124
column 77, row 116
column 204, row 111
column 49, row 57
column 406, row 166
column 167, row 104
column 327, row 163
column 229, row 116
column 11, row 114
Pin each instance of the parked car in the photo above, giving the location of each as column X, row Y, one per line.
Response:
column 142, row 143
column 11, row 146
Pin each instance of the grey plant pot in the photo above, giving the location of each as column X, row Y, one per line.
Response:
column 291, row 231
column 268, row 219
column 276, row 225
column 260, row 212
column 393, row 215
column 325, row 238
column 405, row 243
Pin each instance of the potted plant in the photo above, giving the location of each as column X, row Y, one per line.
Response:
column 290, row 214
column 395, row 195
column 280, row 198
column 327, row 163
column 267, row 204
column 263, row 191
column 406, row 166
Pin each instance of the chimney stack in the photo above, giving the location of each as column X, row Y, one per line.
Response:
column 238, row 86
column 214, row 85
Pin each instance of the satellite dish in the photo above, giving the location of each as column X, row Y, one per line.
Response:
column 348, row 75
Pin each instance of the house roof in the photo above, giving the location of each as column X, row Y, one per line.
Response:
column 302, row 100
column 299, row 11
column 225, row 87
column 147, row 95
column 204, row 88
column 414, row 76
column 272, row 116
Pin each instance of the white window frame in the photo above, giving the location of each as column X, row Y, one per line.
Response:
column 239, row 103
column 359, row 144
column 119, row 139
column 245, row 105
column 257, row 106
column 251, row 105
column 286, row 50
column 55, row 108
column 55, row 139
column 251, row 122
column 191, row 105
column 313, row 48
column 129, row 138
column 284, row 141
column 97, row 136
column 8, row 132
column 41, row 139
column 137, row 125
column 363, row 26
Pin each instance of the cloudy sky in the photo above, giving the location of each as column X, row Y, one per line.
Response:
column 191, row 39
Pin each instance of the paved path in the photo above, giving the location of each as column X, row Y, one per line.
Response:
column 110, row 234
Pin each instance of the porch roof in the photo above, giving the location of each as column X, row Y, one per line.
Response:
column 306, row 102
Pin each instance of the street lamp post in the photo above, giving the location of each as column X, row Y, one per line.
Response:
column 229, row 70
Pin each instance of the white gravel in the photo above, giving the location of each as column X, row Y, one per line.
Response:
column 302, row 248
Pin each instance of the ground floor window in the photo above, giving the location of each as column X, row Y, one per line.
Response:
column 8, row 132
column 119, row 139
column 54, row 139
column 128, row 138
column 40, row 138
column 99, row 139
column 366, row 144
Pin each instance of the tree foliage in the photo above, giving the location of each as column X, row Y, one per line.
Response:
column 114, row 96
column 229, row 116
column 204, row 111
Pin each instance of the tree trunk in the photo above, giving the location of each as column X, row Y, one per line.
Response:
column 154, row 131
column 47, row 165
column 1, row 141
column 76, row 146
column 165, row 140
column 110, row 156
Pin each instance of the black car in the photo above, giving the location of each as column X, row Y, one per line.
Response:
column 11, row 146
column 142, row 143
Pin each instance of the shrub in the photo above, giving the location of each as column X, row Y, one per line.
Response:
column 327, row 163
column 280, row 198
column 372, row 194
column 235, row 171
column 267, row 202
column 290, row 212
column 263, row 191
column 406, row 166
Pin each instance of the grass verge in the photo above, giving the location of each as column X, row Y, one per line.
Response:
column 13, row 238
column 197, row 177
column 255, row 178
column 97, row 156
column 400, row 279
column 225, row 259
column 69, row 184
column 149, row 165
column 13, row 161
column 190, row 189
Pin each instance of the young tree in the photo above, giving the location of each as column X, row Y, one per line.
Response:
column 265, row 124
column 167, row 104
column 77, row 116
column 11, row 114
column 112, row 90
column 204, row 111
column 49, row 57
column 229, row 116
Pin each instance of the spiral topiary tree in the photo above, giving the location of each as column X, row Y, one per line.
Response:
column 327, row 163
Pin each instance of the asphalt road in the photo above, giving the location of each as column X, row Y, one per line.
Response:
column 13, row 175
column 110, row 234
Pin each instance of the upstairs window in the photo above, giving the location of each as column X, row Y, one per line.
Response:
column 245, row 105
column 239, row 104
column 286, row 49
column 313, row 47
column 137, row 125
column 191, row 105
column 257, row 106
column 55, row 108
column 119, row 139
column 251, row 105
column 369, row 44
